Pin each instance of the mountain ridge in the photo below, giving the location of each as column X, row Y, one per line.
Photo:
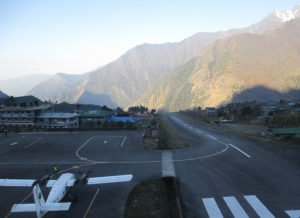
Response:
column 21, row 85
column 126, row 79
column 230, row 66
column 2, row 94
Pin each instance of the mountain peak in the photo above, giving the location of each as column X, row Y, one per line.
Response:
column 287, row 15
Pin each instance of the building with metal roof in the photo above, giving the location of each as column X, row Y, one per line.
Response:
column 29, row 111
column 124, row 119
column 57, row 120
column 96, row 114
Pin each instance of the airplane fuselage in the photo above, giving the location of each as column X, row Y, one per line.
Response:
column 59, row 189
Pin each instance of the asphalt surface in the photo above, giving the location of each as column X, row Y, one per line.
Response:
column 269, row 173
column 31, row 156
column 216, row 165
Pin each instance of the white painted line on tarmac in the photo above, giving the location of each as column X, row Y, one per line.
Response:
column 45, row 133
column 38, row 140
column 235, row 207
column 212, row 137
column 105, row 142
column 212, row 208
column 87, row 211
column 259, row 207
column 293, row 213
column 39, row 163
column 240, row 150
column 14, row 143
column 123, row 141
column 84, row 144
column 167, row 164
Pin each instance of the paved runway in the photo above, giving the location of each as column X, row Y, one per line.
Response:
column 247, row 179
column 220, row 174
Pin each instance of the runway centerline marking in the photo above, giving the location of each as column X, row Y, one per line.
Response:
column 212, row 137
column 123, row 141
column 240, row 150
column 87, row 211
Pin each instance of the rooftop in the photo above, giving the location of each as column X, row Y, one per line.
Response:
column 58, row 115
column 98, row 113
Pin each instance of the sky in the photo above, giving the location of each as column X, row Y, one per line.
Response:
column 77, row 36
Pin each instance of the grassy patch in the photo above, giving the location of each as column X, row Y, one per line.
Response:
column 150, row 143
column 146, row 122
column 168, row 137
column 151, row 199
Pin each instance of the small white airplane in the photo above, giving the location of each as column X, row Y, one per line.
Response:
column 59, row 188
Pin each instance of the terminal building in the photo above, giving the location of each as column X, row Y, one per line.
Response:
column 29, row 111
column 57, row 120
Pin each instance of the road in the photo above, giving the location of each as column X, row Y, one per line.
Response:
column 240, row 177
column 219, row 174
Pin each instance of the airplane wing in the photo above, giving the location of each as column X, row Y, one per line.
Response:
column 17, row 208
column 16, row 182
column 109, row 179
column 103, row 180
column 22, row 182
column 23, row 208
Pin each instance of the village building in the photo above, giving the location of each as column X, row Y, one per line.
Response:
column 94, row 118
column 210, row 111
column 57, row 120
column 29, row 111
column 21, row 111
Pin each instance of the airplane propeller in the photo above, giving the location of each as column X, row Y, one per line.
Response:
column 83, row 178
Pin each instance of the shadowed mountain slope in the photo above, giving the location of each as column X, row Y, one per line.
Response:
column 135, row 72
column 2, row 94
column 230, row 66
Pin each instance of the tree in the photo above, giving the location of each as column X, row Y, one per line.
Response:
column 138, row 109
column 246, row 112
column 120, row 109
column 106, row 108
column 153, row 111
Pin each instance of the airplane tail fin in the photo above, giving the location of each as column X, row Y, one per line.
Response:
column 39, row 201
column 40, row 206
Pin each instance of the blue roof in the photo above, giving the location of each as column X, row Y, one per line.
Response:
column 210, row 111
column 124, row 119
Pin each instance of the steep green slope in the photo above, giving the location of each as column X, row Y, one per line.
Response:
column 231, row 66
